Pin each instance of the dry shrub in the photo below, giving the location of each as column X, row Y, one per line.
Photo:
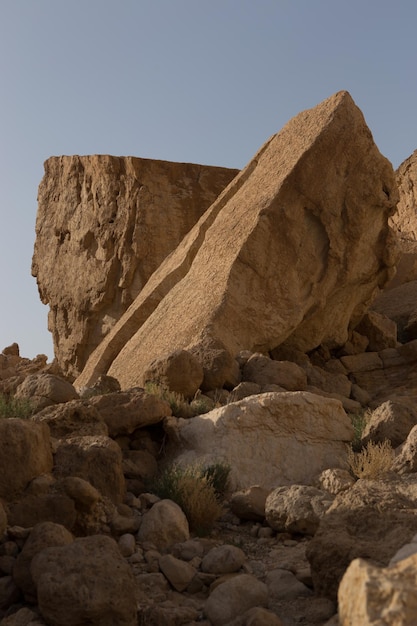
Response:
column 199, row 503
column 372, row 461
column 197, row 490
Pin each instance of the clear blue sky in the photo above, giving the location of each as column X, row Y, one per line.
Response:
column 203, row 81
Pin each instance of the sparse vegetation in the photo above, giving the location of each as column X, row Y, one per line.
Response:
column 359, row 421
column 180, row 407
column 372, row 461
column 15, row 407
column 197, row 490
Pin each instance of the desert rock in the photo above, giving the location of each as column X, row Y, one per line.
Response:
column 270, row 439
column 104, row 225
column 370, row 595
column 86, row 581
column 292, row 251
column 25, row 452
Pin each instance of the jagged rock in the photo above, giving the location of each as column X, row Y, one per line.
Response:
column 104, row 225
column 85, row 581
column 379, row 329
column 296, row 509
column 373, row 520
column 45, row 390
column 96, row 459
column 370, row 595
column 292, row 251
column 270, row 439
column 399, row 305
column 390, row 421
column 164, row 524
column 335, row 480
column 386, row 374
column 25, row 452
column 406, row 461
column 124, row 412
column 41, row 536
column 404, row 219
column 233, row 597
column 223, row 560
column 76, row 417
column 180, row 372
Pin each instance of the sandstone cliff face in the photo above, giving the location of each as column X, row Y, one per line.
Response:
column 104, row 225
column 292, row 251
column 404, row 219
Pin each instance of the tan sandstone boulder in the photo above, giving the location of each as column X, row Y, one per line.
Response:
column 25, row 452
column 371, row 520
column 370, row 595
column 268, row 440
column 104, row 224
column 291, row 251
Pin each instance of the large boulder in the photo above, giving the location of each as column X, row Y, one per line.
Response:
column 124, row 412
column 292, row 251
column 104, row 225
column 371, row 520
column 25, row 452
column 370, row 595
column 43, row 390
column 268, row 440
column 42, row 536
column 85, row 582
column 96, row 459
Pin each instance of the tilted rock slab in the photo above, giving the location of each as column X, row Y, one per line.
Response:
column 292, row 251
column 268, row 440
column 104, row 225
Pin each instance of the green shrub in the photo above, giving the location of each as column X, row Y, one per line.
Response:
column 359, row 421
column 196, row 490
column 372, row 461
column 15, row 407
column 218, row 476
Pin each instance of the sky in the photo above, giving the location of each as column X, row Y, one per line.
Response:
column 201, row 81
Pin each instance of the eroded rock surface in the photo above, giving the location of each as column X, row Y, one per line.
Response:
column 104, row 225
column 292, row 251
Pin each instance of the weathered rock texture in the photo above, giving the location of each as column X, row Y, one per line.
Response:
column 104, row 225
column 404, row 219
column 271, row 439
column 292, row 251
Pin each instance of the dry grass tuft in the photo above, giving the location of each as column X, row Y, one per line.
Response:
column 372, row 461
column 197, row 490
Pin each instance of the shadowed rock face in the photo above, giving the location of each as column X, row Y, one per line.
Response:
column 104, row 225
column 293, row 251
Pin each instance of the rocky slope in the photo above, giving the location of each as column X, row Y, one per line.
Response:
column 309, row 531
